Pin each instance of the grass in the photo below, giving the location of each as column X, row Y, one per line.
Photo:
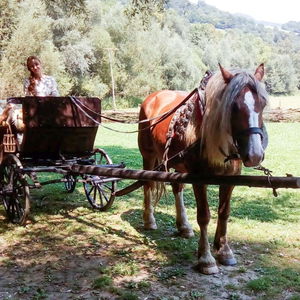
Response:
column 111, row 252
column 267, row 223
column 101, row 282
column 273, row 281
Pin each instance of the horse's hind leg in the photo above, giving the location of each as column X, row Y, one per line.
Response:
column 224, row 253
column 184, row 228
column 148, row 215
column 206, row 262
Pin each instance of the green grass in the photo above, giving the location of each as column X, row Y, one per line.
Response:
column 110, row 251
column 258, row 218
column 101, row 282
column 273, row 281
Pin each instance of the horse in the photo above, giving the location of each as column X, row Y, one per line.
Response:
column 216, row 134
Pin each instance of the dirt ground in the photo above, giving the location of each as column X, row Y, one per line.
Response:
column 44, row 268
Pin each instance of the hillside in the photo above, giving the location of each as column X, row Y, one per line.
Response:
column 205, row 13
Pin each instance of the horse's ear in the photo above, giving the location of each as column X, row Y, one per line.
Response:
column 260, row 72
column 227, row 76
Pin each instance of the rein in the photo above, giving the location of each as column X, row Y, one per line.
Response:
column 117, row 120
column 160, row 118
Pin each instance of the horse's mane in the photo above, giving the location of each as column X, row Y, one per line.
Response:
column 216, row 136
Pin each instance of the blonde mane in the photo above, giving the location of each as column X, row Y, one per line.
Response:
column 216, row 136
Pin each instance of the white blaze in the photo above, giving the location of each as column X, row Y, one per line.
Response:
column 256, row 151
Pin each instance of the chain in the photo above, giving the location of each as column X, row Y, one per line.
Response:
column 268, row 173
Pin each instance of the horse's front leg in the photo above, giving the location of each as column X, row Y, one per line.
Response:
column 184, row 228
column 206, row 262
column 148, row 215
column 224, row 253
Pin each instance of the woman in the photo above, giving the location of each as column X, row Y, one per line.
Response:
column 39, row 84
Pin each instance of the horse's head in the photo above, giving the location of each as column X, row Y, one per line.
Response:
column 248, row 131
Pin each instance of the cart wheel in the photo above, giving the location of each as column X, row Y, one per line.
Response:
column 14, row 190
column 100, row 194
column 70, row 183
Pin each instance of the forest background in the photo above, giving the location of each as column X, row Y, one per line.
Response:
column 151, row 48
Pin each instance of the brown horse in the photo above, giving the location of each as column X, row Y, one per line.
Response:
column 221, row 131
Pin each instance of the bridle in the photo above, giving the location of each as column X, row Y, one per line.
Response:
column 249, row 131
column 244, row 133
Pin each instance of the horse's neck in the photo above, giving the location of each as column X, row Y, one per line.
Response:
column 186, row 121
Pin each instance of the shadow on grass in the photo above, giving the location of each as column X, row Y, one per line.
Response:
column 86, row 241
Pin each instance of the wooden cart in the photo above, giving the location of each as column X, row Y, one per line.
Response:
column 59, row 132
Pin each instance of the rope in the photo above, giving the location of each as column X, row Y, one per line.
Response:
column 74, row 100
column 118, row 120
column 268, row 173
column 161, row 118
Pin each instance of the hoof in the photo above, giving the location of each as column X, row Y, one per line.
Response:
column 208, row 270
column 186, row 233
column 150, row 226
column 227, row 261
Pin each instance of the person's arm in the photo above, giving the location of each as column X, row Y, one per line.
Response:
column 26, row 85
column 54, row 90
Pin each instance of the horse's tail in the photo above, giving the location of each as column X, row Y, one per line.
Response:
column 158, row 190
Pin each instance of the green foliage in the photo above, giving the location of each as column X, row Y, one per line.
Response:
column 274, row 280
column 125, row 269
column 7, row 21
column 144, row 45
column 281, row 75
column 101, row 282
column 128, row 296
column 145, row 9
column 31, row 35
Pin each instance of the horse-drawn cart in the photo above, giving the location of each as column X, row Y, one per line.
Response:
column 59, row 132
column 59, row 137
column 205, row 139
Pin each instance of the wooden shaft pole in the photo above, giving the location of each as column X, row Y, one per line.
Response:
column 144, row 175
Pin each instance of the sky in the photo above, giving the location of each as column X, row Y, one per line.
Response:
column 277, row 11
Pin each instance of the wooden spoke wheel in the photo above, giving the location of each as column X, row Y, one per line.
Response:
column 70, row 183
column 100, row 190
column 14, row 190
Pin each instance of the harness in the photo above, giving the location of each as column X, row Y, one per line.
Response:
column 182, row 117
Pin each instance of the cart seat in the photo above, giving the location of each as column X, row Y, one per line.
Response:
column 57, row 127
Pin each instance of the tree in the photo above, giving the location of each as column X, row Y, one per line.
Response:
column 32, row 36
column 7, row 21
column 145, row 9
column 281, row 76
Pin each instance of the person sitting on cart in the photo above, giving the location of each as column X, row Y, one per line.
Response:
column 39, row 84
